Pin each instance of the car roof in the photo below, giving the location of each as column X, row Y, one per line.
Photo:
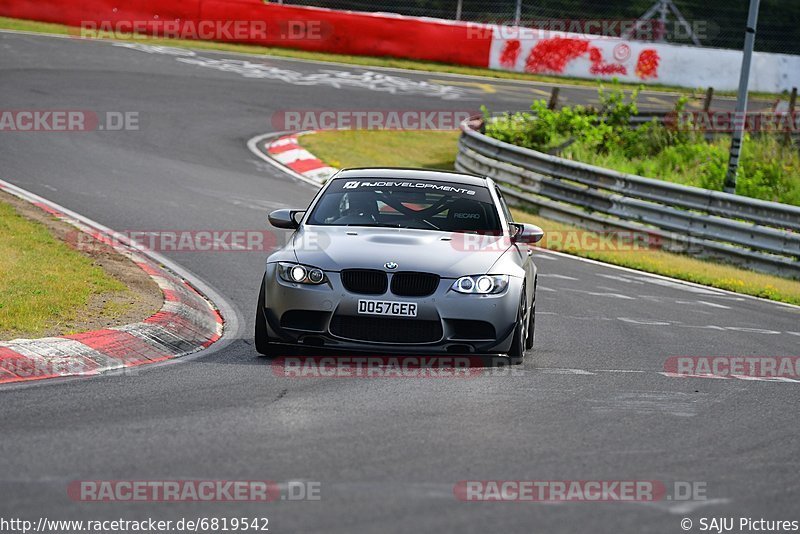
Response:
column 400, row 173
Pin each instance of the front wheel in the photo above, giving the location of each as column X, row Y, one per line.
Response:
column 531, row 328
column 532, row 319
column 518, row 344
column 261, row 337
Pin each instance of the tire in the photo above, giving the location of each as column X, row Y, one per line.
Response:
column 261, row 338
column 531, row 322
column 529, row 340
column 516, row 353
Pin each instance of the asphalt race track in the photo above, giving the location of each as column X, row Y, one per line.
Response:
column 589, row 403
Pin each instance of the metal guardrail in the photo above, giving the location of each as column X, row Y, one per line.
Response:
column 757, row 234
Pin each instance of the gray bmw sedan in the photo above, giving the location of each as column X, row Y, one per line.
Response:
column 401, row 261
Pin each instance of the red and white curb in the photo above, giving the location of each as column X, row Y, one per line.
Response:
column 287, row 151
column 186, row 323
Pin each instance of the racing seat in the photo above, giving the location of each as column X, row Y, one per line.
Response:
column 362, row 205
column 466, row 215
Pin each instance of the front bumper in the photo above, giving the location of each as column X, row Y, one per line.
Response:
column 446, row 322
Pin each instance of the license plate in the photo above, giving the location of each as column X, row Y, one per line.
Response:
column 387, row 307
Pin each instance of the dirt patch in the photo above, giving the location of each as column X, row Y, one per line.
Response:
column 142, row 299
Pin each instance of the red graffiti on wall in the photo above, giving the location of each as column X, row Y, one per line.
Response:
column 647, row 64
column 599, row 66
column 510, row 53
column 553, row 56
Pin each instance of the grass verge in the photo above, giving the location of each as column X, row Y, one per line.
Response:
column 438, row 149
column 360, row 148
column 769, row 169
column 364, row 61
column 49, row 288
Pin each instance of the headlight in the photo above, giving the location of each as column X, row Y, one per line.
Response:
column 481, row 284
column 301, row 274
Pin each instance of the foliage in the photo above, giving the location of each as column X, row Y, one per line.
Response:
column 676, row 152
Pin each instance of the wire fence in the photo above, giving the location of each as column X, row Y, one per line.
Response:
column 712, row 23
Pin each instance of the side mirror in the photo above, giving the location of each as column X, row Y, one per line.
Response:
column 526, row 233
column 285, row 219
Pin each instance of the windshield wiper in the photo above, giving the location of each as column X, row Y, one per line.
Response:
column 373, row 225
column 431, row 224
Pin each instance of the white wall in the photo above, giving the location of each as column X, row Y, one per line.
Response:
column 678, row 65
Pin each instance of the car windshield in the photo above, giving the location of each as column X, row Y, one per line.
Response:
column 419, row 204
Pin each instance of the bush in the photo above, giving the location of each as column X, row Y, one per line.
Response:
column 769, row 169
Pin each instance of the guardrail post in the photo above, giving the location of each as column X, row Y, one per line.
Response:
column 553, row 98
column 707, row 101
column 792, row 105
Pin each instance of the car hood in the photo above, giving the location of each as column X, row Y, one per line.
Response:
column 450, row 255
